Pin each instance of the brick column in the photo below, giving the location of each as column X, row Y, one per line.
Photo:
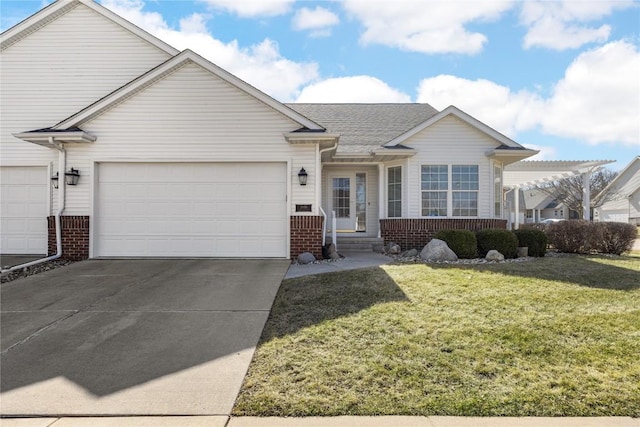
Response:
column 306, row 235
column 75, row 237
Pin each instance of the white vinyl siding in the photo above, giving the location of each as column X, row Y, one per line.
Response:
column 191, row 115
column 623, row 197
column 23, row 211
column 191, row 209
column 61, row 68
column 450, row 142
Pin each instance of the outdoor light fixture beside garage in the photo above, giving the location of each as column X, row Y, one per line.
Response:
column 54, row 180
column 72, row 176
column 302, row 176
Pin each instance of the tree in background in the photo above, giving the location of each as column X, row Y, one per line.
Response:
column 568, row 191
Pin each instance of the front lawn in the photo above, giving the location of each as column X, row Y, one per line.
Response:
column 550, row 337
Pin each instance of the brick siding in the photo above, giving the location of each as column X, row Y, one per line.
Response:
column 416, row 233
column 306, row 235
column 75, row 237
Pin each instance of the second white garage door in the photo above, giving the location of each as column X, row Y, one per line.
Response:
column 191, row 210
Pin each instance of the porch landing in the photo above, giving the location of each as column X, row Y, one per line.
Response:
column 354, row 243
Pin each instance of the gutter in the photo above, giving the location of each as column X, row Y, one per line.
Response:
column 319, row 189
column 62, row 166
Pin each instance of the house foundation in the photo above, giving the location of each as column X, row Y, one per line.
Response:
column 415, row 233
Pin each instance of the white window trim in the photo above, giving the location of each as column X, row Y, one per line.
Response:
column 387, row 190
column 449, row 191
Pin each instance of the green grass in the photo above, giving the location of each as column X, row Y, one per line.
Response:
column 551, row 337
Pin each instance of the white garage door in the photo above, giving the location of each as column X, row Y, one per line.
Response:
column 23, row 210
column 191, row 210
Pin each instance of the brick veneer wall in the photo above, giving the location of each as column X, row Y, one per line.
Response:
column 306, row 235
column 75, row 237
column 416, row 233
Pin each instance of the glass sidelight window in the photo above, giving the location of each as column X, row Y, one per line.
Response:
column 361, row 202
column 342, row 197
column 394, row 192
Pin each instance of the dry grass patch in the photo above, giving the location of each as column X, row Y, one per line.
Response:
column 551, row 337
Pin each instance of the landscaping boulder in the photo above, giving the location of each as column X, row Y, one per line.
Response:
column 494, row 255
column 393, row 249
column 306, row 258
column 410, row 253
column 437, row 250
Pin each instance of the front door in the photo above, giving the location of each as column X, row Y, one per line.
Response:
column 349, row 201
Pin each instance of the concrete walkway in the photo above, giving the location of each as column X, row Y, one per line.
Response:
column 382, row 421
column 352, row 260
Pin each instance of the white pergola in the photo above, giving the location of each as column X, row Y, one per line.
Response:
column 526, row 174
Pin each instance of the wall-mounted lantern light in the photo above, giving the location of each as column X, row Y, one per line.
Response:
column 302, row 176
column 72, row 176
column 54, row 180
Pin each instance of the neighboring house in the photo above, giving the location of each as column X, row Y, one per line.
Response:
column 536, row 206
column 622, row 196
column 177, row 157
column 533, row 205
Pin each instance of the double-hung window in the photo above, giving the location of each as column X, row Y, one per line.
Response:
column 394, row 192
column 450, row 191
column 464, row 180
column 435, row 186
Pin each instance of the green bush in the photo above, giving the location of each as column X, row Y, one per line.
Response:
column 534, row 239
column 462, row 242
column 616, row 237
column 503, row 241
column 574, row 236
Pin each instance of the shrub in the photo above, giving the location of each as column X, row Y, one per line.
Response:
column 534, row 239
column 575, row 236
column 503, row 241
column 462, row 242
column 616, row 237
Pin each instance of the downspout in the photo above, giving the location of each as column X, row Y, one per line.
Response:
column 319, row 190
column 62, row 166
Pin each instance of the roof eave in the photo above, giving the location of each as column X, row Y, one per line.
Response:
column 509, row 156
column 324, row 140
column 44, row 138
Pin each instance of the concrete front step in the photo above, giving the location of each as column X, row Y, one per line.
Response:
column 373, row 244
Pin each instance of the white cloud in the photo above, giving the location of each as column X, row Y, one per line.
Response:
column 320, row 20
column 563, row 25
column 357, row 89
column 252, row 8
column 261, row 65
column 493, row 104
column 425, row 26
column 597, row 100
column 545, row 152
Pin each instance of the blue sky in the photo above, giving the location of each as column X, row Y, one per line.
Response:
column 559, row 76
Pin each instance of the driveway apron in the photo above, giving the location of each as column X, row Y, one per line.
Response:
column 133, row 337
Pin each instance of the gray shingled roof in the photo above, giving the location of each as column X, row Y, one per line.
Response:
column 364, row 127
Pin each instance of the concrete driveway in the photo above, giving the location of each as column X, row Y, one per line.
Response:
column 133, row 337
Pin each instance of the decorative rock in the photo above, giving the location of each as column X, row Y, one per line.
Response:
column 437, row 250
column 494, row 255
column 410, row 253
column 306, row 258
column 523, row 252
column 394, row 250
